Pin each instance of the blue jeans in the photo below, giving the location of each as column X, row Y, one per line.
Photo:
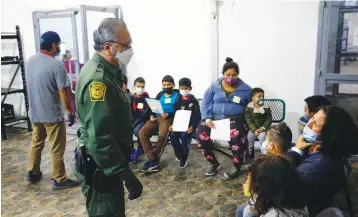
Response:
column 240, row 210
column 180, row 144
column 136, row 133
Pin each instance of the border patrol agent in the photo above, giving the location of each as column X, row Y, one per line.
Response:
column 105, row 131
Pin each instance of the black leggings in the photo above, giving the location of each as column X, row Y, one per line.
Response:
column 238, row 142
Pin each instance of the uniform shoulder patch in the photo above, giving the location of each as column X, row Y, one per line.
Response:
column 97, row 91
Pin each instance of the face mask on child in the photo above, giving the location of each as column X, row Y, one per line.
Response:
column 139, row 90
column 168, row 90
column 184, row 92
column 310, row 135
column 260, row 101
column 264, row 148
column 305, row 117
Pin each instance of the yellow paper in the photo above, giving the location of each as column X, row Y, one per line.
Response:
column 246, row 190
column 236, row 99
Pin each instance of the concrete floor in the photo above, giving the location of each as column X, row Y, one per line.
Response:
column 171, row 192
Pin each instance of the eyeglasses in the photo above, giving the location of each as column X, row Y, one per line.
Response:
column 126, row 46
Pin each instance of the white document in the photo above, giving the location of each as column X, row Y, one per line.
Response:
column 155, row 105
column 181, row 121
column 221, row 131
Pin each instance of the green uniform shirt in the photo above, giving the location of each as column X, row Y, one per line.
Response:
column 105, row 127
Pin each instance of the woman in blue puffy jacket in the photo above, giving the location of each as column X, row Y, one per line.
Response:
column 225, row 98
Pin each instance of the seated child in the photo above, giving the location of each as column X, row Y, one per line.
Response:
column 180, row 140
column 167, row 98
column 259, row 118
column 278, row 140
column 125, row 85
column 312, row 106
column 275, row 188
column 140, row 115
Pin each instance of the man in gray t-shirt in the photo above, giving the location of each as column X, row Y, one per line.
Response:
column 49, row 88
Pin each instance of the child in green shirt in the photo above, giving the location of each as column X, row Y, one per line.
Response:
column 259, row 118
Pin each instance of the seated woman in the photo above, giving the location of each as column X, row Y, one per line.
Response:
column 226, row 98
column 275, row 188
column 331, row 137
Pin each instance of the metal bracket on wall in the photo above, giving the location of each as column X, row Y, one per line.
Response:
column 215, row 14
column 319, row 73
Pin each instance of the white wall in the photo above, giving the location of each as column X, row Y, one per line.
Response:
column 169, row 37
column 274, row 42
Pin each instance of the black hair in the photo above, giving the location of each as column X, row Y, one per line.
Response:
column 139, row 80
column 282, row 135
column 274, row 183
column 256, row 90
column 168, row 78
column 185, row 82
column 124, row 79
column 314, row 103
column 230, row 64
column 339, row 133
column 46, row 46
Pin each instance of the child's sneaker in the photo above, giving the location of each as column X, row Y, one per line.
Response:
column 183, row 163
column 150, row 167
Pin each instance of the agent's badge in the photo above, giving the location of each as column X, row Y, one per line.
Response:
column 97, row 91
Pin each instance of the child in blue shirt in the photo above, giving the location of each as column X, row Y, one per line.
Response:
column 180, row 140
column 140, row 115
column 160, row 122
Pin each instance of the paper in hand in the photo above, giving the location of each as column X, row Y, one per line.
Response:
column 221, row 131
column 181, row 121
column 155, row 105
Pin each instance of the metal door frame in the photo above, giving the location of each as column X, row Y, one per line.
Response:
column 321, row 75
column 71, row 13
column 68, row 13
column 83, row 10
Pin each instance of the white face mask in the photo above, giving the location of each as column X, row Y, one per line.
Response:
column 139, row 90
column 125, row 56
column 264, row 148
column 310, row 135
column 184, row 92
